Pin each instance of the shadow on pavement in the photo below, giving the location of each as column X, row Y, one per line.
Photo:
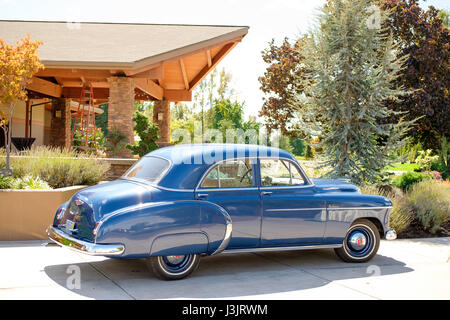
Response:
column 222, row 276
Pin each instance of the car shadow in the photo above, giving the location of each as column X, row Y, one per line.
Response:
column 222, row 276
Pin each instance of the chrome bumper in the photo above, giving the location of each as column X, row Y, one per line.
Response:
column 65, row 240
column 390, row 235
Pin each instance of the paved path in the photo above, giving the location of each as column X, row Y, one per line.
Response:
column 403, row 269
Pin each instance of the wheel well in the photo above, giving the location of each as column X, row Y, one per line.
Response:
column 376, row 222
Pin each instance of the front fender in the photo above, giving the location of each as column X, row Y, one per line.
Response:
column 167, row 228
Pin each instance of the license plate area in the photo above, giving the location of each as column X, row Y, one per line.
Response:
column 70, row 226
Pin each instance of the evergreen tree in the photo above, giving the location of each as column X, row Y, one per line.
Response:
column 353, row 64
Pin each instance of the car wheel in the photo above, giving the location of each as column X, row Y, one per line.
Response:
column 361, row 242
column 174, row 267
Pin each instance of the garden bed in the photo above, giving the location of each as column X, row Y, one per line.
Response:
column 26, row 214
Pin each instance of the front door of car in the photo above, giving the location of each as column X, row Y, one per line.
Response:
column 292, row 213
column 231, row 185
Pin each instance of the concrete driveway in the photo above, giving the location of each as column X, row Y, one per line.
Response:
column 403, row 269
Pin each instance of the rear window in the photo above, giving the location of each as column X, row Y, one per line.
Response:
column 148, row 168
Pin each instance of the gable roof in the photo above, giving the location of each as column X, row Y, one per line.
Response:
column 120, row 45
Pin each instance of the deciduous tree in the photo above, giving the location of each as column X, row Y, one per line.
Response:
column 18, row 64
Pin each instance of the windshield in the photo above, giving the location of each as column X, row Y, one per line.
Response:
column 148, row 168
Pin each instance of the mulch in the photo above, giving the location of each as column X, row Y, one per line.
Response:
column 416, row 231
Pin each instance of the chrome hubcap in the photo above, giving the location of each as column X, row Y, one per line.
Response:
column 357, row 241
column 174, row 260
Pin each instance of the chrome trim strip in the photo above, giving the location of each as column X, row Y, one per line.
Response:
column 64, row 240
column 295, row 209
column 324, row 246
column 360, row 208
column 226, row 237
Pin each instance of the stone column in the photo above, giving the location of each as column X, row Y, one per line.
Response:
column 60, row 134
column 121, row 110
column 161, row 116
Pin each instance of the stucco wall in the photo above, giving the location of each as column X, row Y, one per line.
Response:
column 26, row 214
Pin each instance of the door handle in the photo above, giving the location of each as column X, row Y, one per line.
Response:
column 266, row 193
column 202, row 196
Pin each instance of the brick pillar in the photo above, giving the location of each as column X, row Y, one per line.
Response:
column 60, row 134
column 121, row 110
column 161, row 116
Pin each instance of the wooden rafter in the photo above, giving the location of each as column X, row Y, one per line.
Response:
column 183, row 72
column 76, row 84
column 217, row 58
column 208, row 58
column 45, row 87
column 150, row 87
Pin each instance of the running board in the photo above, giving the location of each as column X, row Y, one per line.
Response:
column 325, row 246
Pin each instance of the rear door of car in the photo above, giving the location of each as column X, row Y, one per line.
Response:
column 292, row 213
column 231, row 184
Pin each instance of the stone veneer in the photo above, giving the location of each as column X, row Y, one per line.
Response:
column 162, row 108
column 60, row 134
column 121, row 110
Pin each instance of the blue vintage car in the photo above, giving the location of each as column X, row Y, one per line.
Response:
column 179, row 203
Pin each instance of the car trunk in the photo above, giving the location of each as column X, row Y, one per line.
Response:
column 88, row 206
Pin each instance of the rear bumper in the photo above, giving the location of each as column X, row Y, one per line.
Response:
column 65, row 240
column 390, row 235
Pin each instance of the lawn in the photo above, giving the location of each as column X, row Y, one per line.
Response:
column 403, row 167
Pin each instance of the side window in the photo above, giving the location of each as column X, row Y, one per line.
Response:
column 276, row 172
column 230, row 174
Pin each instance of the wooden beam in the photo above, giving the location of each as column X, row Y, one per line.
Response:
column 154, row 73
column 76, row 84
column 27, row 118
column 74, row 73
column 177, row 95
column 208, row 58
column 149, row 87
column 75, row 93
column 45, row 87
column 183, row 72
column 217, row 58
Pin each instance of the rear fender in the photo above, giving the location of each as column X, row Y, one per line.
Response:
column 167, row 228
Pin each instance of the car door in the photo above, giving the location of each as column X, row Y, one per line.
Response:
column 231, row 184
column 292, row 212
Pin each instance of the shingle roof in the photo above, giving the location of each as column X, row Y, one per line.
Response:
column 115, row 44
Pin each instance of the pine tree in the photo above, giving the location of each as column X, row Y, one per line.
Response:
column 353, row 64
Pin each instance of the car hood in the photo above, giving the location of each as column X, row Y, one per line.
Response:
column 331, row 185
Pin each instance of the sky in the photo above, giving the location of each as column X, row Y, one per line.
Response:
column 267, row 19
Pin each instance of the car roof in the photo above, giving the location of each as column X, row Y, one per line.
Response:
column 190, row 161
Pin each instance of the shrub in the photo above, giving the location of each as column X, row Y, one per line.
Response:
column 401, row 215
column 406, row 180
column 430, row 201
column 6, row 182
column 30, row 183
column 148, row 134
column 59, row 168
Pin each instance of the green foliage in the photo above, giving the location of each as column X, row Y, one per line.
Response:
column 115, row 140
column 352, row 72
column 6, row 182
column 59, row 168
column 406, row 180
column 430, row 201
column 148, row 134
column 101, row 120
column 308, row 152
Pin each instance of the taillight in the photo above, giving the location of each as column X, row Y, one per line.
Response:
column 60, row 213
